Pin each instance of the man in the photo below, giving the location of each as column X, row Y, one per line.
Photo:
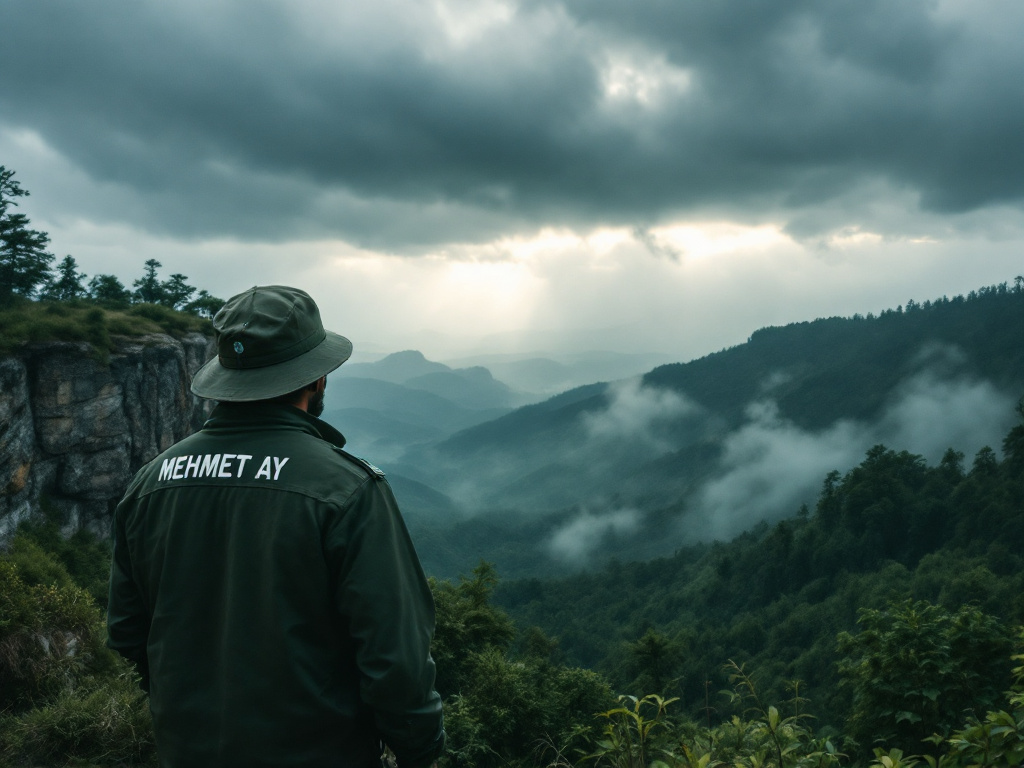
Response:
column 263, row 580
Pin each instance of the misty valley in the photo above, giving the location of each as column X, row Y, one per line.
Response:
column 686, row 453
column 558, row 384
column 805, row 550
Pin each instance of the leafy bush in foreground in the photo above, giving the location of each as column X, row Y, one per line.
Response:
column 66, row 700
column 63, row 695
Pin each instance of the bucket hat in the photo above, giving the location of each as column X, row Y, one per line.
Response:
column 270, row 341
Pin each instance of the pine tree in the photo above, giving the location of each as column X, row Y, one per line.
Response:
column 148, row 289
column 24, row 260
column 68, row 285
column 204, row 305
column 176, row 291
column 107, row 289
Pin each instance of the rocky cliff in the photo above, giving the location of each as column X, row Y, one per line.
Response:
column 73, row 430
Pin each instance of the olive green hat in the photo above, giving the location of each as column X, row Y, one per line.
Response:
column 270, row 341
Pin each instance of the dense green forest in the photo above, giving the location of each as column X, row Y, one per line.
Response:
column 877, row 627
column 882, row 625
column 835, row 367
column 891, row 532
column 537, row 469
column 845, row 367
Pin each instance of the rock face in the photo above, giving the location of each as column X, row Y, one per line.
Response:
column 74, row 430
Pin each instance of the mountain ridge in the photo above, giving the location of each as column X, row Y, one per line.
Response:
column 744, row 434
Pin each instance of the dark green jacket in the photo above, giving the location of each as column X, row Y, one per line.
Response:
column 265, row 585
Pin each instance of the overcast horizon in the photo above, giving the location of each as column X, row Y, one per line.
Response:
column 467, row 177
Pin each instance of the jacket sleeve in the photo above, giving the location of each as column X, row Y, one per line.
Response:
column 127, row 615
column 382, row 592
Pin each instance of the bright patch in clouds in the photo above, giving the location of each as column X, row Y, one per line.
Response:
column 718, row 238
column 492, row 293
column 850, row 237
column 464, row 21
column 643, row 79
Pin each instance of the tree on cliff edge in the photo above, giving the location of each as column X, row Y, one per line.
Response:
column 24, row 260
column 68, row 284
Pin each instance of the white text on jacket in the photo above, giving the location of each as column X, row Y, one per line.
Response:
column 220, row 465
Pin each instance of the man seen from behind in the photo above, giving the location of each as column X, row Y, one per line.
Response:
column 263, row 581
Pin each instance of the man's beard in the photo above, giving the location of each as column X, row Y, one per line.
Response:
column 316, row 403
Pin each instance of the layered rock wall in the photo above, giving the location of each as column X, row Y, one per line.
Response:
column 73, row 430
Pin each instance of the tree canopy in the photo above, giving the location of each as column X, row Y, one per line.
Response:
column 25, row 270
column 24, row 260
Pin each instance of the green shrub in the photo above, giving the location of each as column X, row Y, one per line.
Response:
column 50, row 636
column 84, row 557
column 169, row 320
column 107, row 725
column 38, row 321
column 998, row 740
column 64, row 696
column 916, row 669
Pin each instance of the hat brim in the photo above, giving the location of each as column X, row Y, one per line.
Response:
column 215, row 382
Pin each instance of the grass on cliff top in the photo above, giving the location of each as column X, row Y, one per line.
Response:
column 36, row 321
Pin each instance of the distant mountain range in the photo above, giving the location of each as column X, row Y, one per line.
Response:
column 540, row 374
column 688, row 451
column 403, row 400
column 708, row 449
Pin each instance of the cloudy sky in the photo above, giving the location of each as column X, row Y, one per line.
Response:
column 481, row 175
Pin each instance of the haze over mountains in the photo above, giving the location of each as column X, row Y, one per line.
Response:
column 402, row 400
column 642, row 465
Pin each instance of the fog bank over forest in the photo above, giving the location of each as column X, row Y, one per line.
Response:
column 702, row 451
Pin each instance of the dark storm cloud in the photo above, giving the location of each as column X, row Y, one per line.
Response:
column 829, row 92
column 257, row 120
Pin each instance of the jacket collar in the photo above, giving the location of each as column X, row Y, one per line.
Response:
column 269, row 416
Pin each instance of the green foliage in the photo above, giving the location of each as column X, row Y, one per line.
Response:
column 31, row 321
column 204, row 305
column 892, row 528
column 916, row 668
column 106, row 725
column 653, row 657
column 636, row 735
column 64, row 696
column 174, row 293
column 148, row 289
column 51, row 636
column 68, row 285
column 81, row 558
column 640, row 733
column 24, row 260
column 109, row 291
column 467, row 625
column 468, row 744
column 998, row 740
column 893, row 758
column 169, row 320
column 501, row 710
column 177, row 292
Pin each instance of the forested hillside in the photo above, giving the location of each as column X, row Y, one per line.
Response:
column 759, row 638
column 704, row 450
column 893, row 528
column 838, row 368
